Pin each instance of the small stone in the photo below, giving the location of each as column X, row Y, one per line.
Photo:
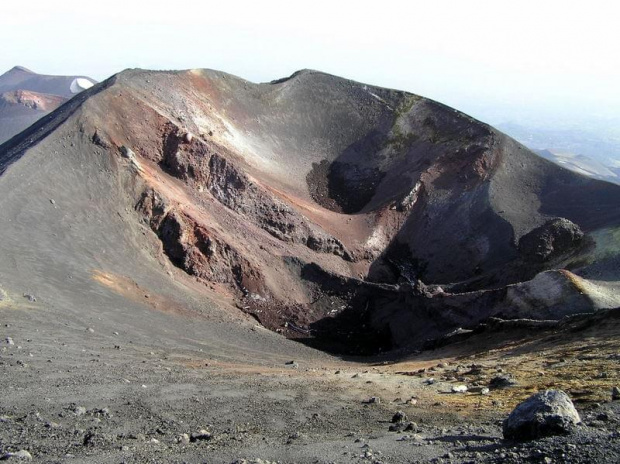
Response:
column 399, row 417
column 459, row 389
column 183, row 439
column 399, row 427
column 128, row 152
column 485, row 391
column 603, row 416
column 615, row 393
column 502, row 381
column 374, row 400
column 411, row 427
column 79, row 411
column 21, row 455
column 103, row 412
column 90, row 329
column 52, row 201
column 95, row 438
column 430, row 381
column 200, row 435
column 9, row 341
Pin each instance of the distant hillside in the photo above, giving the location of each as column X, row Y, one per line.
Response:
column 591, row 148
column 583, row 165
column 26, row 96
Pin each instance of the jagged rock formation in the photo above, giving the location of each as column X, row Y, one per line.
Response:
column 326, row 207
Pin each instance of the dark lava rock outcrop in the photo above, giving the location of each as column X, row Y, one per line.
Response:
column 553, row 238
column 325, row 208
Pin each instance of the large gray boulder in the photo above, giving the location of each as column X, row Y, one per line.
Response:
column 547, row 413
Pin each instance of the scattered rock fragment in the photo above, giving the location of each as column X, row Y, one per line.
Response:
column 615, row 393
column 459, row 389
column 200, row 435
column 9, row 341
column 411, row 427
column 183, row 439
column 502, row 381
column 399, row 417
column 404, row 426
column 103, row 412
column 547, row 413
column 30, row 297
column 79, row 410
column 21, row 455
column 603, row 417
column 127, row 152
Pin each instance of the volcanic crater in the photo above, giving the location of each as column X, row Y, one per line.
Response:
column 333, row 211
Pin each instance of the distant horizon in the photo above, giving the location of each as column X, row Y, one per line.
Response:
column 478, row 56
column 492, row 112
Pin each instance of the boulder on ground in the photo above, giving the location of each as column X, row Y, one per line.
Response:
column 547, row 413
column 553, row 238
column 502, row 381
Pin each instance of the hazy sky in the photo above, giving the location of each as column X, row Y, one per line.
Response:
column 560, row 56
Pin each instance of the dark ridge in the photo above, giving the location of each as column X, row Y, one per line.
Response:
column 292, row 76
